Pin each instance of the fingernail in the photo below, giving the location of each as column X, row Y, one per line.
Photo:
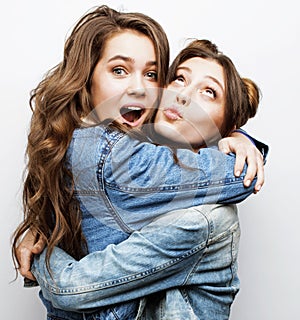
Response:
column 247, row 183
column 258, row 188
column 238, row 173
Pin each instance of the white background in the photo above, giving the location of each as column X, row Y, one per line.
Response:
column 262, row 38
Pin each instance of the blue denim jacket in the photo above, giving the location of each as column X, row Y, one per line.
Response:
column 191, row 252
column 123, row 184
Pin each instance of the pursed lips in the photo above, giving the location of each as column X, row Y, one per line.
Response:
column 172, row 113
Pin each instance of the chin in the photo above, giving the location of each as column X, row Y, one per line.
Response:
column 166, row 134
column 165, row 129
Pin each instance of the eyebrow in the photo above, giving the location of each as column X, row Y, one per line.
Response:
column 189, row 70
column 216, row 81
column 129, row 59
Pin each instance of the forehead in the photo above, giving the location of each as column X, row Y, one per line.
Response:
column 130, row 43
column 199, row 67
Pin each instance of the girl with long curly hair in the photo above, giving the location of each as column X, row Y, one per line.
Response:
column 91, row 186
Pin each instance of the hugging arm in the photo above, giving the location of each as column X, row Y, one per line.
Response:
column 163, row 255
column 141, row 181
column 144, row 180
column 109, row 272
column 247, row 150
column 234, row 144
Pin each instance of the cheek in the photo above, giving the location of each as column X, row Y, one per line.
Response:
column 104, row 88
column 168, row 98
column 158, row 120
column 101, row 93
column 193, row 130
column 105, row 99
column 218, row 118
column 213, row 126
column 202, row 125
column 198, row 117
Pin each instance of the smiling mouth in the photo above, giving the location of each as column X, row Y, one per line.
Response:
column 132, row 113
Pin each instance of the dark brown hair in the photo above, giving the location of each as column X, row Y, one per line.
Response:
column 242, row 94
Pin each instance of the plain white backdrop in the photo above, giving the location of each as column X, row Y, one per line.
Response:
column 262, row 38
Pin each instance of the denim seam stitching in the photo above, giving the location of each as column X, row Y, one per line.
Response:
column 97, row 286
column 193, row 186
column 100, row 177
column 224, row 234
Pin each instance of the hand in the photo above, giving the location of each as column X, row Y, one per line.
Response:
column 245, row 152
column 25, row 251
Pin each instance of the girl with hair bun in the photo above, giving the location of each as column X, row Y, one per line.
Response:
column 163, row 216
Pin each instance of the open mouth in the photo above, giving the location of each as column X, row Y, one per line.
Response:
column 132, row 113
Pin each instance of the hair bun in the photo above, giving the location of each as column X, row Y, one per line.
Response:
column 253, row 94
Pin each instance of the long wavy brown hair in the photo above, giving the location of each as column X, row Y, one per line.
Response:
column 58, row 103
column 242, row 94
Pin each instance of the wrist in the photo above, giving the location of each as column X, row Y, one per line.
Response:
column 243, row 132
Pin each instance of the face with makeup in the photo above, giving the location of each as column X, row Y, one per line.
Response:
column 124, row 82
column 192, row 108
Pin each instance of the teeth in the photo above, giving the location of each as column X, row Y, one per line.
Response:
column 133, row 108
column 131, row 113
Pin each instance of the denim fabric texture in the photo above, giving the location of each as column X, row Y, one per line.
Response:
column 203, row 263
column 123, row 185
column 133, row 182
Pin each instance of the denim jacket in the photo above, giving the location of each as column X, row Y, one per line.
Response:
column 123, row 184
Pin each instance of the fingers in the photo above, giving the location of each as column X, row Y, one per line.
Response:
column 25, row 250
column 250, row 173
column 25, row 259
column 245, row 152
column 241, row 158
column 223, row 145
column 25, row 245
column 39, row 246
column 255, row 168
column 260, row 174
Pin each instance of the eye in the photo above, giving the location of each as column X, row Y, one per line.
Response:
column 152, row 75
column 179, row 80
column 119, row 71
column 209, row 92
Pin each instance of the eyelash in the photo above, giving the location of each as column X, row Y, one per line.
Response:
column 214, row 93
column 149, row 74
column 181, row 77
column 177, row 78
column 115, row 70
column 152, row 74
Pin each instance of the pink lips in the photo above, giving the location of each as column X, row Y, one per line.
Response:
column 172, row 113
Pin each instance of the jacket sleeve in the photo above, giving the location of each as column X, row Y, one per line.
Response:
column 162, row 255
column 143, row 179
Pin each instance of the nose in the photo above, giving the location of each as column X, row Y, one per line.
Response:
column 183, row 99
column 136, row 87
column 137, row 92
